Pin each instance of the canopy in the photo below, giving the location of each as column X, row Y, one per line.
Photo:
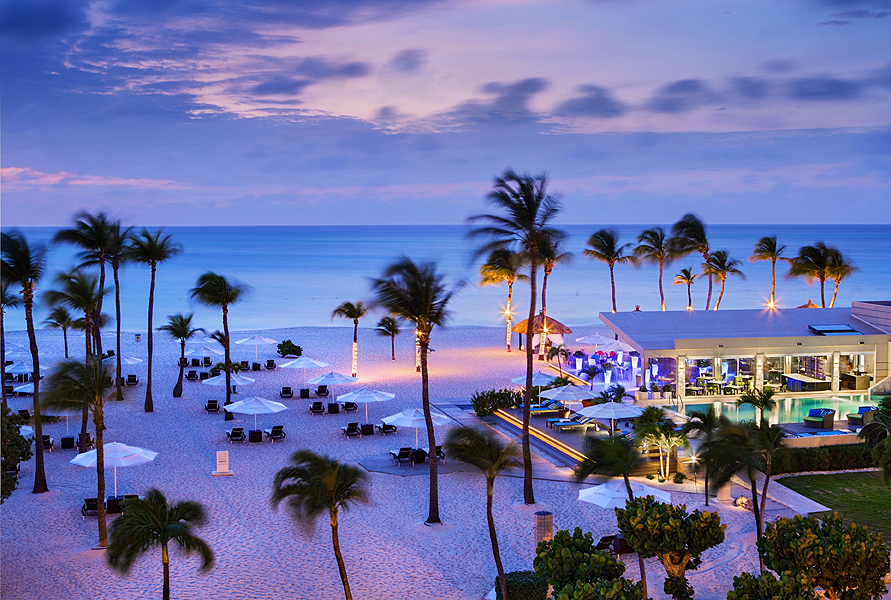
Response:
column 594, row 340
column 810, row 304
column 611, row 411
column 303, row 362
column 554, row 326
column 414, row 418
column 205, row 351
column 365, row 396
column 255, row 406
column 613, row 493
column 221, row 380
column 538, row 379
column 331, row 378
column 568, row 393
column 115, row 455
column 256, row 340
column 20, row 367
column 615, row 346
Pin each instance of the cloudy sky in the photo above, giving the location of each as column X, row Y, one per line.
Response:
column 397, row 111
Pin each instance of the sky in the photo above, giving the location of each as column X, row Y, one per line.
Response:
column 204, row 112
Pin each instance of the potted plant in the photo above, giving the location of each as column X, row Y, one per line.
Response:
column 607, row 372
column 579, row 356
column 666, row 391
column 641, row 393
column 654, row 389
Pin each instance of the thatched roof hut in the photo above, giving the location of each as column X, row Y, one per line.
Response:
column 810, row 304
column 554, row 326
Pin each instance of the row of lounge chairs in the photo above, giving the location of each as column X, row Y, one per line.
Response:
column 318, row 408
column 113, row 506
column 321, row 392
column 356, row 430
column 414, row 455
column 236, row 434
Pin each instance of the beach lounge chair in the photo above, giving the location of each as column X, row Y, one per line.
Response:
column 203, row 375
column 66, row 443
column 317, row 408
column 183, row 362
column 10, row 390
column 196, row 363
column 90, row 442
column 418, row 456
column 192, row 376
column 245, row 365
column 322, row 392
column 304, row 394
column 403, row 456
column 212, row 406
column 621, row 546
column 350, row 407
column 439, row 453
column 48, row 443
column 114, row 506
column 578, row 422
column 236, row 434
column 207, row 362
column 131, row 380
column 605, row 544
column 820, row 418
column 557, row 407
column 276, row 433
column 367, row 429
column 333, row 408
column 109, row 354
column 255, row 366
column 863, row 415
column 286, row 393
column 90, row 508
column 385, row 429
column 25, row 414
column 270, row 365
column 351, row 430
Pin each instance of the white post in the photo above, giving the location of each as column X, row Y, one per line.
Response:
column 835, row 370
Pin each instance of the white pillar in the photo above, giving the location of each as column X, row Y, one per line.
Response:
column 681, row 377
column 836, row 359
column 759, row 371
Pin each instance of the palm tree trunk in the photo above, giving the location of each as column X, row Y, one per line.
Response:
column 393, row 345
column 689, row 297
column 661, row 292
column 65, row 340
column 612, row 282
column 834, row 294
column 165, row 560
column 149, row 405
column 178, row 388
column 510, row 291
column 97, row 332
column 85, row 412
column 708, row 268
column 335, row 541
column 640, row 560
column 100, row 476
column 3, row 362
column 706, row 482
column 768, row 466
column 493, row 536
column 229, row 416
column 433, row 514
column 117, row 316
column 39, row 469
column 823, row 292
column 542, row 343
column 757, row 512
column 355, row 363
column 528, row 493
column 720, row 294
column 773, row 282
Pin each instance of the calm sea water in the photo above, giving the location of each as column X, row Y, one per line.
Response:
column 300, row 274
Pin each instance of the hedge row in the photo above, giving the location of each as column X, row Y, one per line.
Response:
column 825, row 458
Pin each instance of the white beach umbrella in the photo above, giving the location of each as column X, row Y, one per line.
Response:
column 20, row 367
column 538, row 379
column 26, row 431
column 19, row 353
column 303, row 363
column 11, row 348
column 613, row 493
column 205, row 351
column 116, row 455
column 568, row 393
column 255, row 406
column 256, row 340
column 28, row 388
column 594, row 340
column 201, row 340
column 234, row 378
column 612, row 411
column 414, row 418
column 366, row 396
column 331, row 378
column 615, row 346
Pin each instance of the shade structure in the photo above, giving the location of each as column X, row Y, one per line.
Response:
column 614, row 494
column 116, row 454
column 568, row 393
column 366, row 396
column 810, row 304
column 414, row 418
column 128, row 360
column 255, row 341
column 331, row 378
column 538, row 379
column 255, row 406
column 18, row 353
column 593, row 340
column 26, row 431
column 205, row 351
column 21, row 367
column 554, row 326
column 303, row 363
column 612, row 411
column 615, row 346
column 234, row 379
column 27, row 388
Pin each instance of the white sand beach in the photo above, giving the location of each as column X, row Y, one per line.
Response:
column 261, row 553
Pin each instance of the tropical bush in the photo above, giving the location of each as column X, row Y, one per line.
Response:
column 825, row 458
column 523, row 585
column 602, row 589
column 286, row 348
column 571, row 558
column 768, row 587
column 679, row 478
column 16, row 449
column 487, row 402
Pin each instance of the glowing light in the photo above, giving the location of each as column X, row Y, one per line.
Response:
column 355, row 358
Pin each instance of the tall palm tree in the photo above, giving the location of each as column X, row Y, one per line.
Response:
column 551, row 256
column 526, row 225
column 152, row 522
column 216, row 291
column 686, row 277
column 689, row 236
column 706, row 426
column 389, row 327
column 92, row 233
column 24, row 264
column 179, row 327
column 314, row 484
column 812, row 263
column 418, row 294
column 613, row 457
column 604, row 246
column 354, row 311
column 721, row 266
column 767, row 248
column 151, row 249
column 761, row 399
column 86, row 385
column 79, row 291
column 503, row 265
column 117, row 254
column 487, row 453
column 60, row 318
column 9, row 300
column 839, row 268
column 770, row 446
column 652, row 247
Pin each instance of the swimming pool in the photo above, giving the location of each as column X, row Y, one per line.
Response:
column 788, row 410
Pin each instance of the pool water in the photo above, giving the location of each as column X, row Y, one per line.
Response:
column 788, row 410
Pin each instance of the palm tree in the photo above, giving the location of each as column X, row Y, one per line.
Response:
column 721, row 266
column 503, row 265
column 151, row 249
column 349, row 310
column 152, row 522
column 313, row 484
column 487, row 453
column 216, row 291
column 604, row 246
column 688, row 236
column 561, row 353
column 78, row 291
column 652, row 247
column 812, row 263
column 768, row 249
column 86, row 385
column 527, row 226
column 389, row 327
column 24, row 264
column 613, row 457
column 761, row 399
column 551, row 256
column 686, row 277
column 770, row 446
column 839, row 268
column 418, row 294
column 117, row 254
column 592, row 371
column 8, row 300
column 60, row 318
column 617, row 393
column 706, row 425
column 180, row 328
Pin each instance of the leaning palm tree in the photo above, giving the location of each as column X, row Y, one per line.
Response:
column 487, row 453
column 689, row 236
column 839, row 268
column 706, row 426
column 86, row 385
column 686, row 277
column 652, row 247
column 767, row 248
column 117, row 254
column 151, row 249
column 389, row 327
column 314, row 484
column 179, row 327
column 721, row 266
column 526, row 225
column 23, row 265
column 502, row 265
column 613, row 457
column 551, row 256
column 216, row 291
column 153, row 521
column 354, row 311
column 761, row 399
column 813, row 264
column 9, row 300
column 418, row 294
column 60, row 318
column 561, row 353
column 604, row 246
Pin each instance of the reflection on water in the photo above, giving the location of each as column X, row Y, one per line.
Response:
column 788, row 410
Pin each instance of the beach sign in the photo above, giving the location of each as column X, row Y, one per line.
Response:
column 223, row 464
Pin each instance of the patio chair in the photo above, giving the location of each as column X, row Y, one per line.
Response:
column 367, row 429
column 25, row 414
column 439, row 453
column 553, row 408
column 322, row 392
column 236, row 434
column 192, row 376
column 130, row 498
column 403, row 456
column 207, row 361
column 109, row 354
column 351, row 430
column 131, row 380
column 196, row 363
column 577, row 423
column 418, row 456
column 48, row 443
column 286, row 393
column 606, row 544
column 270, row 365
column 182, row 362
column 276, row 433
column 333, row 408
column 90, row 508
column 90, row 442
column 255, row 366
column 304, row 394
column 212, row 406
column 245, row 365
column 820, row 418
column 621, row 546
column 10, row 390
column 350, row 407
column 385, row 429
column 203, row 376
column 317, row 408
column 863, row 415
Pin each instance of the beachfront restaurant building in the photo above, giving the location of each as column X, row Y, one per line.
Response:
column 807, row 352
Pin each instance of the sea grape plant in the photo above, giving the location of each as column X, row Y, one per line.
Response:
column 767, row 587
column 570, row 558
column 602, row 589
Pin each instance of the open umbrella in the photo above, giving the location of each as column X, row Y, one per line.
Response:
column 256, row 340
column 613, row 493
column 414, row 418
column 615, row 346
column 235, row 379
column 611, row 411
column 18, row 353
column 538, row 379
column 26, row 431
column 594, row 340
column 303, row 363
column 365, row 396
column 116, row 455
column 331, row 378
column 568, row 393
column 20, row 367
column 255, row 406
column 205, row 351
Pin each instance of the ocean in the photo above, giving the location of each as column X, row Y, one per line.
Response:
column 298, row 275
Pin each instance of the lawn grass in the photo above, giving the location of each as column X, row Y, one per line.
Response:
column 858, row 497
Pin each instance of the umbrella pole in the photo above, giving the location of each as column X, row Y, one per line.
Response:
column 366, row 412
column 115, row 482
column 416, row 438
column 255, row 421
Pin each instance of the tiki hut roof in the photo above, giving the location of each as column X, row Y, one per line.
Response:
column 810, row 304
column 554, row 326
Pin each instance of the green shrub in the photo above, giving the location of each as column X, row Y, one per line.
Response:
column 486, row 403
column 825, row 458
column 523, row 585
column 679, row 478
column 602, row 589
column 286, row 348
column 568, row 559
column 16, row 449
column 767, row 587
column 651, row 476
